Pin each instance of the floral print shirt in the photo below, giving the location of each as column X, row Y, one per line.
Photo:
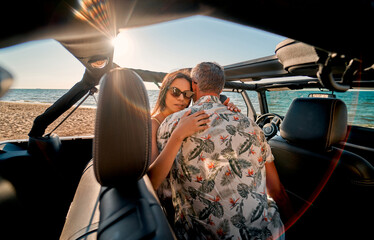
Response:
column 218, row 181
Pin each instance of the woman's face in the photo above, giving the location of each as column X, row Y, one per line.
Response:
column 174, row 104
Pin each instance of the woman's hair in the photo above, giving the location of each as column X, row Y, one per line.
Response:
column 209, row 76
column 166, row 82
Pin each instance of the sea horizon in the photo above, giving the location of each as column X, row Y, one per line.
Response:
column 278, row 103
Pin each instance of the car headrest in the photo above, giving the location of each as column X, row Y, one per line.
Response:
column 315, row 122
column 122, row 142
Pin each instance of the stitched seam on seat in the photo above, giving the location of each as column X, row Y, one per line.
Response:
column 85, row 231
column 331, row 120
column 89, row 165
column 98, row 119
column 144, row 99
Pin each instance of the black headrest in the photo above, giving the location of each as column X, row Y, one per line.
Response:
column 122, row 143
column 315, row 122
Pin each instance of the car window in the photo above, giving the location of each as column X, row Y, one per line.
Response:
column 237, row 99
column 359, row 104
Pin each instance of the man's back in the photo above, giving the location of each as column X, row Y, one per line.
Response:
column 218, row 178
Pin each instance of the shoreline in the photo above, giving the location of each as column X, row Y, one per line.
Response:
column 45, row 103
column 16, row 120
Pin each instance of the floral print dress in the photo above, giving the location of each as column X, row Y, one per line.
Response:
column 218, row 181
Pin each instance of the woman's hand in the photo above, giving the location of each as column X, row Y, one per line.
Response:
column 230, row 106
column 190, row 124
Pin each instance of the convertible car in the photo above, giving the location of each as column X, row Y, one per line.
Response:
column 96, row 187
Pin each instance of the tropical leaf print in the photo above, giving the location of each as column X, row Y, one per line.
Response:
column 227, row 177
column 243, row 124
column 215, row 157
column 238, row 220
column 208, row 146
column 216, row 121
column 216, row 131
column 244, row 163
column 221, row 156
column 174, row 125
column 186, row 173
column 245, row 146
column 207, row 185
column 215, row 208
column 245, row 233
column 193, row 170
column 165, row 135
column 231, row 129
column 223, row 228
column 229, row 154
column 194, row 109
column 226, row 180
column 225, row 117
column 195, row 152
column 254, row 233
column 235, row 167
column 207, row 106
column 243, row 190
column 193, row 192
column 261, row 197
column 196, row 140
column 257, row 178
column 257, row 212
column 204, row 214
column 276, row 220
column 205, row 145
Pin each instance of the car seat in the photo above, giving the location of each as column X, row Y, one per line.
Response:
column 114, row 199
column 330, row 188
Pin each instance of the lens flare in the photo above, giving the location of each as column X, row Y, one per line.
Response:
column 99, row 14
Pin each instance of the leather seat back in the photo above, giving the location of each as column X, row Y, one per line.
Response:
column 82, row 220
column 122, row 149
column 328, row 185
column 128, row 206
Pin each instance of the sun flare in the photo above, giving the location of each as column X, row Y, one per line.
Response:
column 122, row 43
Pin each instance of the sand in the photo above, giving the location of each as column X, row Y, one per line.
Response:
column 16, row 120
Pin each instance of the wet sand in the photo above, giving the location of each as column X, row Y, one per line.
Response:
column 16, row 120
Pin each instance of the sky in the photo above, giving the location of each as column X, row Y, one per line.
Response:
column 160, row 47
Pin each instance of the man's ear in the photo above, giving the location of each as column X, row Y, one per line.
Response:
column 194, row 88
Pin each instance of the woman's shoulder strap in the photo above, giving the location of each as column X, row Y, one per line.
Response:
column 156, row 120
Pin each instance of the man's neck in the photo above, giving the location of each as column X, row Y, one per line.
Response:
column 202, row 94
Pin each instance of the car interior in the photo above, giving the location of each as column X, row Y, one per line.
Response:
column 96, row 187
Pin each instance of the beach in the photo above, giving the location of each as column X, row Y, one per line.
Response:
column 16, row 120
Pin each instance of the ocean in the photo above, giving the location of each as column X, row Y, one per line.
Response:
column 360, row 104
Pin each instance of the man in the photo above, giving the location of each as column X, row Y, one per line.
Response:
column 218, row 179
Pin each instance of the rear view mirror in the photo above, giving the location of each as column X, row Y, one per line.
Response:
column 6, row 80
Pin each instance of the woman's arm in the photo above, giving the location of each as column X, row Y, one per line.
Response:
column 154, row 153
column 187, row 126
column 277, row 192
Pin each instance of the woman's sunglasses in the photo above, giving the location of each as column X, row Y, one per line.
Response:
column 176, row 92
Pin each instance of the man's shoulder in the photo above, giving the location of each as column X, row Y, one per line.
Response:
column 179, row 114
column 173, row 117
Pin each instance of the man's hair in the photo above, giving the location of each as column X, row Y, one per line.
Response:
column 209, row 77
